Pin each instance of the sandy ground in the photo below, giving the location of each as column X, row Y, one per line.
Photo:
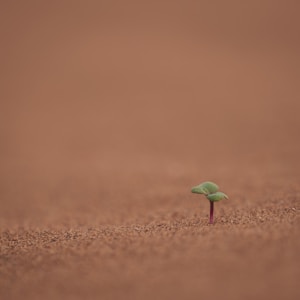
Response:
column 111, row 111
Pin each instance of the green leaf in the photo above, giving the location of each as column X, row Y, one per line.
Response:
column 218, row 196
column 199, row 190
column 205, row 188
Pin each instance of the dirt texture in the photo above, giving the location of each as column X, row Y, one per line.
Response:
column 111, row 111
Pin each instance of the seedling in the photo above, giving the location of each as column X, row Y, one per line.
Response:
column 210, row 190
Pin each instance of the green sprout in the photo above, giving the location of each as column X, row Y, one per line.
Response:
column 210, row 190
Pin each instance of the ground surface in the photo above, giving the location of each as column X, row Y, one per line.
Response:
column 111, row 112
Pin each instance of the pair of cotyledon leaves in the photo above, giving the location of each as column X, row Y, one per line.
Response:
column 210, row 190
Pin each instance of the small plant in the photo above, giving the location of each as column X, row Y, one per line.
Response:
column 210, row 190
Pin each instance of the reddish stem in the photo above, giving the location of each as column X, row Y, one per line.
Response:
column 211, row 215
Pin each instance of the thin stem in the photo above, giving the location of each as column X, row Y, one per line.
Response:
column 211, row 215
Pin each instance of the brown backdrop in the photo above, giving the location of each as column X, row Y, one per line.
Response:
column 111, row 111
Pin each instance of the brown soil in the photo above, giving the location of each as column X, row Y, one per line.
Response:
column 111, row 112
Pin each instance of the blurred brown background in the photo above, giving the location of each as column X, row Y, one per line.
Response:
column 112, row 110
